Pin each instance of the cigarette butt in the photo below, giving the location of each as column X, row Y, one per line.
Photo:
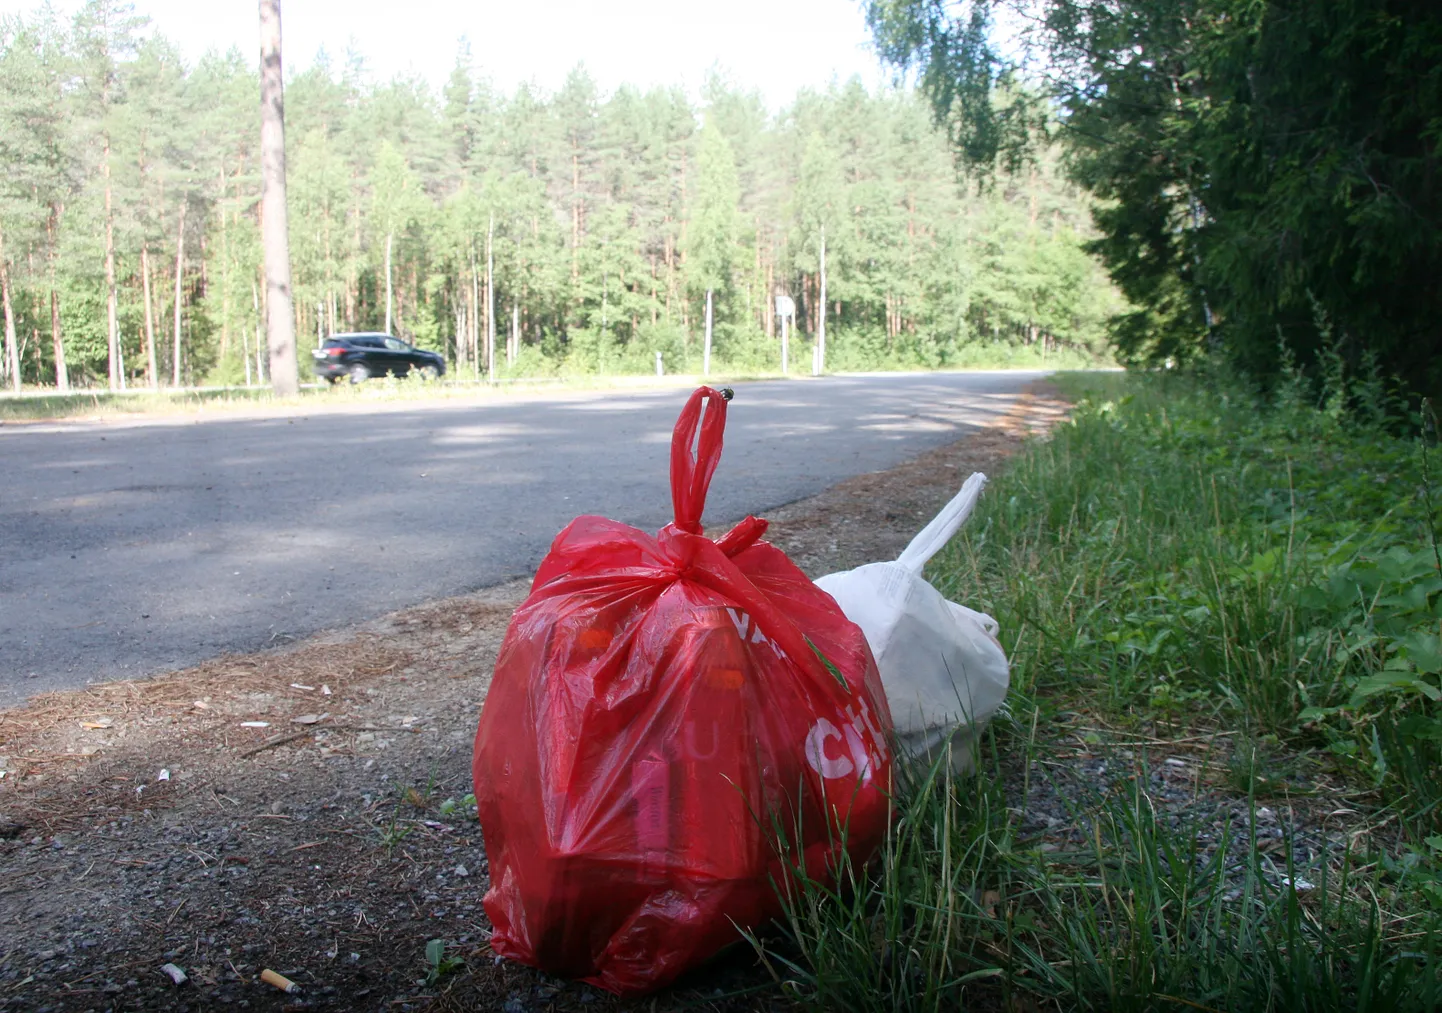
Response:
column 280, row 981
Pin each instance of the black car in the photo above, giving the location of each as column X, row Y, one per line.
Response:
column 362, row 356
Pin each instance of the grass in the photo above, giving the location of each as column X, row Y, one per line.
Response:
column 1187, row 578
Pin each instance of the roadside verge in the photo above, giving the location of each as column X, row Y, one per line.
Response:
column 305, row 809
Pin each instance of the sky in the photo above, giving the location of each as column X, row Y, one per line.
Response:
column 773, row 46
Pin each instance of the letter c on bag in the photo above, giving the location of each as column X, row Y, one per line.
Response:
column 816, row 751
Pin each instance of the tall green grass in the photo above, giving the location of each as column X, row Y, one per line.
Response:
column 1181, row 556
column 959, row 911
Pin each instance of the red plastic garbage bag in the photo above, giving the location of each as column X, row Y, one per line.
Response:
column 659, row 707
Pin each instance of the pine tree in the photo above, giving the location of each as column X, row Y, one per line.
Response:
column 711, row 238
column 608, row 219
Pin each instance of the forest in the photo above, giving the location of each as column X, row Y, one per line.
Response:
column 1265, row 173
column 520, row 234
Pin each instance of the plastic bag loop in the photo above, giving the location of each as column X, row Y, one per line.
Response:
column 691, row 473
column 930, row 539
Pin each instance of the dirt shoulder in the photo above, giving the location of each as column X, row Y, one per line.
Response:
column 303, row 809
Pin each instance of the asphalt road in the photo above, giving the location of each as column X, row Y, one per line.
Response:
column 128, row 548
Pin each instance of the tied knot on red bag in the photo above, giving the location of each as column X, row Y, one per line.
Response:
column 675, row 726
column 695, row 453
column 696, row 445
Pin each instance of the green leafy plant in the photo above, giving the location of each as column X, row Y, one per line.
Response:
column 438, row 963
column 450, row 805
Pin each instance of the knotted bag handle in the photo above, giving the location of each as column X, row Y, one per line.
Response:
column 931, row 538
column 690, row 479
column 691, row 472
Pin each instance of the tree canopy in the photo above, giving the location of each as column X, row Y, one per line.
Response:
column 609, row 217
column 1267, row 173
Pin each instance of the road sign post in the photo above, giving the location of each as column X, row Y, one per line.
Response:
column 785, row 307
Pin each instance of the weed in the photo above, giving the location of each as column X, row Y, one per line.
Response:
column 394, row 833
column 438, row 964
column 420, row 798
column 450, row 805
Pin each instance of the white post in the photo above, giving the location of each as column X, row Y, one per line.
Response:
column 783, row 346
column 660, row 371
column 706, row 355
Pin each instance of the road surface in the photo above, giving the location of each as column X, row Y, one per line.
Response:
column 128, row 548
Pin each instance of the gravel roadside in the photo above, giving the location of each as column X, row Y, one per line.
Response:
column 302, row 810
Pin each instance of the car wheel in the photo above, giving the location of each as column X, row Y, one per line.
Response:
column 358, row 373
column 430, row 372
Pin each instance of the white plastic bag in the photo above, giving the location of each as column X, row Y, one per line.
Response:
column 944, row 671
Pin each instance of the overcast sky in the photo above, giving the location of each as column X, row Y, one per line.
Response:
column 774, row 46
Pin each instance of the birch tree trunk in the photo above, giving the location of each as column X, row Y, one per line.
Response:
column 821, row 317
column 112, row 328
column 490, row 303
column 152, row 374
column 179, row 274
column 575, row 216
column 460, row 309
column 513, row 347
column 475, row 334
column 389, row 236
column 12, row 352
column 224, row 270
column 62, row 375
column 706, row 354
column 259, row 344
column 280, row 315
column 245, row 354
